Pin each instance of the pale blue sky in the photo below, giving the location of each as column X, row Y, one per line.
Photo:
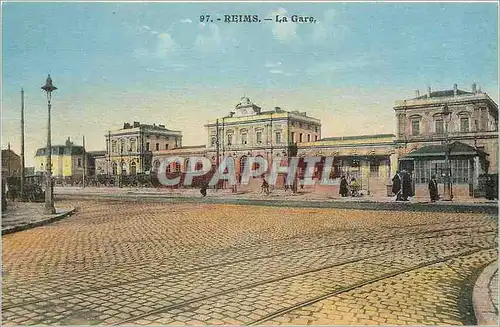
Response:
column 155, row 62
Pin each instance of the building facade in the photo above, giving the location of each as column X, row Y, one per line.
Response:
column 130, row 149
column 249, row 131
column 451, row 132
column 11, row 163
column 67, row 160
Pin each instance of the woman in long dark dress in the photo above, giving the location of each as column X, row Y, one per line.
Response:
column 396, row 186
column 433, row 189
column 343, row 187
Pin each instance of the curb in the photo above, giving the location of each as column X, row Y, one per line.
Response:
column 485, row 312
column 38, row 223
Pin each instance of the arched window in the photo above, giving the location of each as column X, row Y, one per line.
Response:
column 133, row 168
column 186, row 165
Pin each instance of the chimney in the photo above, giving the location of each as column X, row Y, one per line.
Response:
column 68, row 142
column 137, row 124
column 429, row 91
column 417, row 93
column 474, row 90
column 277, row 109
column 455, row 89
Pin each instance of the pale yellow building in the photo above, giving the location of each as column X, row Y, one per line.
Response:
column 130, row 149
column 67, row 160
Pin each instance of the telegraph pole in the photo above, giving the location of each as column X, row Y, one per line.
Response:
column 8, row 159
column 22, row 144
column 217, row 144
column 84, row 157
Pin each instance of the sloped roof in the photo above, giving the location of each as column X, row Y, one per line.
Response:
column 357, row 137
column 61, row 150
column 456, row 149
column 445, row 93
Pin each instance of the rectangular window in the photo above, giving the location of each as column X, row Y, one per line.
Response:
column 374, row 168
column 439, row 126
column 147, row 146
column 300, row 137
column 229, row 139
column 259, row 137
column 464, row 124
column 133, row 147
column 122, row 146
column 293, row 137
column 401, row 124
column 79, row 163
column 484, row 119
column 308, row 137
column 113, row 146
column 415, row 127
column 278, row 137
column 315, row 137
column 166, row 146
column 244, row 138
column 157, row 146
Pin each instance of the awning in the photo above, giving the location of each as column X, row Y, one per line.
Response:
column 453, row 149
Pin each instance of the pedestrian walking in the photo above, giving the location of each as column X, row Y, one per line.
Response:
column 344, row 190
column 203, row 188
column 433, row 189
column 265, row 186
column 396, row 186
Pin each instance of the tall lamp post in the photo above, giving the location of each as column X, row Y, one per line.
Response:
column 447, row 193
column 49, row 190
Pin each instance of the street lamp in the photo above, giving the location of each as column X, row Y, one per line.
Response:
column 49, row 190
column 447, row 193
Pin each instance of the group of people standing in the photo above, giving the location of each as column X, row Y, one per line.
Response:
column 345, row 187
column 402, row 185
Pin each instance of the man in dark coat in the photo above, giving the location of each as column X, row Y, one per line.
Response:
column 396, row 186
column 405, row 185
column 433, row 189
column 343, row 187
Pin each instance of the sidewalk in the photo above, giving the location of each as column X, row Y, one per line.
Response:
column 485, row 296
column 23, row 215
column 302, row 195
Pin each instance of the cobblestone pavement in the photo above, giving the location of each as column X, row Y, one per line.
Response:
column 136, row 262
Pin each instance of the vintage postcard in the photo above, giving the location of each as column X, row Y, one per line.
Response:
column 249, row 163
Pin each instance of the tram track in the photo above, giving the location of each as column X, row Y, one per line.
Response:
column 378, row 240
column 310, row 301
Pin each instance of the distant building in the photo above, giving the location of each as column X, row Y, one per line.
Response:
column 469, row 134
column 11, row 163
column 367, row 158
column 67, row 160
column 97, row 162
column 129, row 149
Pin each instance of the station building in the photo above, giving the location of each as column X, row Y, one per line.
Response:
column 447, row 130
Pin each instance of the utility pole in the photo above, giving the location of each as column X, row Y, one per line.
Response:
column 217, row 144
column 22, row 144
column 8, row 159
column 84, row 157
